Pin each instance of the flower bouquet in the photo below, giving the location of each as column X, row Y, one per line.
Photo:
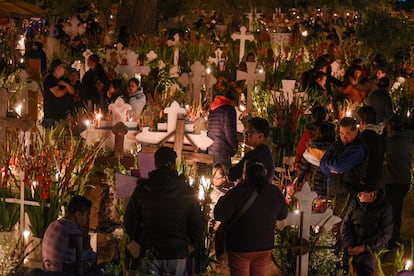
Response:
column 53, row 166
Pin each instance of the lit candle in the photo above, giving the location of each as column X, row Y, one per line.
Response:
column 18, row 109
column 408, row 265
column 201, row 193
column 98, row 120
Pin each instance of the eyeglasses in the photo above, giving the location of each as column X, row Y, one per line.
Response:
column 249, row 132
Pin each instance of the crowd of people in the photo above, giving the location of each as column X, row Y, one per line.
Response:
column 366, row 171
column 64, row 92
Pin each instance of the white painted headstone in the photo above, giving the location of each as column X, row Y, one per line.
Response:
column 86, row 55
column 242, row 36
column 252, row 76
column 119, row 110
column 305, row 198
column 74, row 27
column 215, row 60
column 280, row 39
column 176, row 44
column 173, row 113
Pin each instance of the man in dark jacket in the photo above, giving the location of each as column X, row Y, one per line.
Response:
column 256, row 136
column 367, row 225
column 374, row 139
column 396, row 174
column 380, row 100
column 345, row 163
column 95, row 82
column 222, row 129
column 164, row 217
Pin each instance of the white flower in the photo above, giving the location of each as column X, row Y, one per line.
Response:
column 175, row 71
column 161, row 64
column 151, row 56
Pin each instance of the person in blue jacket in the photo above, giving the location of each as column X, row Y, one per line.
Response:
column 345, row 163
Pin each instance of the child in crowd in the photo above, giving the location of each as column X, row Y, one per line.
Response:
column 221, row 185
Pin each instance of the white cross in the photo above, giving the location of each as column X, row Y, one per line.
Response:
column 326, row 220
column 174, row 112
column 216, row 59
column 242, row 36
column 251, row 77
column 74, row 27
column 86, row 55
column 197, row 78
column 250, row 18
column 176, row 44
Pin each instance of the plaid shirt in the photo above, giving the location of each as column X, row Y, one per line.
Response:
column 56, row 248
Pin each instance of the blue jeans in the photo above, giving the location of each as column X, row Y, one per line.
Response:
column 173, row 267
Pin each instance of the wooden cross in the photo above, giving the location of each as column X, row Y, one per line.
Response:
column 242, row 36
column 305, row 218
column 251, row 77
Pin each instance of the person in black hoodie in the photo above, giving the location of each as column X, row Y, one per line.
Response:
column 367, row 225
column 164, row 218
column 95, row 82
column 374, row 139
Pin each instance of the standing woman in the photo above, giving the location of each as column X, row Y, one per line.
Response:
column 250, row 235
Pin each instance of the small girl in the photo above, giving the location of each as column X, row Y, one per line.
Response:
column 221, row 185
column 137, row 98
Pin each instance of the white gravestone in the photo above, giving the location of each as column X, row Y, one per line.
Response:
column 280, row 39
column 326, row 220
column 74, row 27
column 242, row 36
column 176, row 44
column 119, row 110
column 197, row 79
column 202, row 141
column 216, row 59
column 252, row 76
column 86, row 55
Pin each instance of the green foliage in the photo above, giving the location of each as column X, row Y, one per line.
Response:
column 9, row 215
column 13, row 252
column 383, row 33
column 321, row 262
